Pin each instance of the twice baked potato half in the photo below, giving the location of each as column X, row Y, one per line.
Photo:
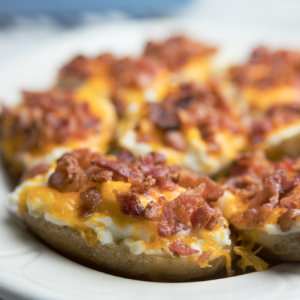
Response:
column 268, row 77
column 266, row 89
column 128, row 218
column 187, row 59
column 194, row 126
column 262, row 203
column 47, row 124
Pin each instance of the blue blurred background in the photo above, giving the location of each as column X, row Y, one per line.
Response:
column 24, row 23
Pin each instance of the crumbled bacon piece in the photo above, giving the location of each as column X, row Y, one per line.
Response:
column 204, row 256
column 128, row 72
column 126, row 157
column 91, row 199
column 176, row 140
column 143, row 186
column 177, row 213
column 152, row 211
column 68, row 175
column 190, row 179
column 81, row 67
column 39, row 169
column 130, row 204
column 158, row 158
column 119, row 168
column 102, row 176
column 180, row 248
column 205, row 217
column 176, row 51
column 285, row 221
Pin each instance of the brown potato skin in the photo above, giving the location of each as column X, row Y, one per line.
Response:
column 289, row 147
column 118, row 261
column 279, row 247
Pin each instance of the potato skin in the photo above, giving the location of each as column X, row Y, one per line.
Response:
column 278, row 247
column 118, row 261
column 289, row 147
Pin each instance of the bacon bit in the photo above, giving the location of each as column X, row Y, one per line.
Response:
column 39, row 169
column 168, row 186
column 68, row 175
column 202, row 217
column 190, row 179
column 144, row 138
column 286, row 220
column 162, row 201
column 81, row 67
column 144, row 186
column 130, row 204
column 176, row 51
column 118, row 168
column 102, row 176
column 176, row 140
column 128, row 72
column 91, row 199
column 187, row 179
column 158, row 158
column 204, row 256
column 180, row 248
column 147, row 163
column 126, row 157
column 177, row 213
column 163, row 115
column 270, row 192
column 152, row 211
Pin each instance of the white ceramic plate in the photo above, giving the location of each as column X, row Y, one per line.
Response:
column 30, row 270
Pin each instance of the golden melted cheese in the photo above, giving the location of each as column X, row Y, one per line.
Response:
column 263, row 99
column 249, row 257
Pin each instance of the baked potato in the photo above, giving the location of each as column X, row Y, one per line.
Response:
column 128, row 218
column 47, row 124
column 194, row 126
column 262, row 202
column 187, row 59
column 266, row 88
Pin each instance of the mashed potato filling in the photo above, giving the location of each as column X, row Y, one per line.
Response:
column 109, row 226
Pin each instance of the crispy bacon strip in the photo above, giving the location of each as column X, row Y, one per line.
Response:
column 180, row 248
column 91, row 200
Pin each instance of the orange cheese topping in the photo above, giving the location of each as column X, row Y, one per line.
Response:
column 249, row 258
